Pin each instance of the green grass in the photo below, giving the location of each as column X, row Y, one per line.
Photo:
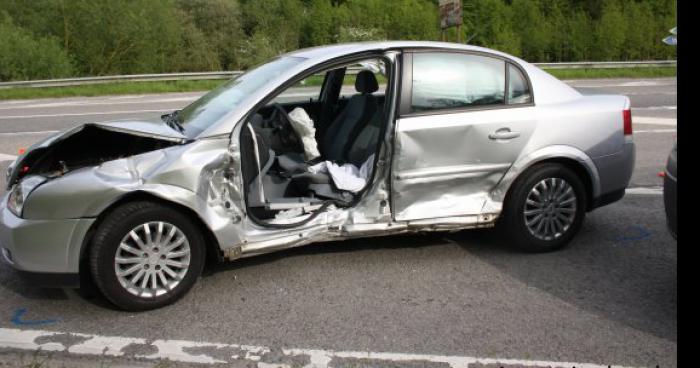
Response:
column 127, row 88
column 122, row 88
column 653, row 72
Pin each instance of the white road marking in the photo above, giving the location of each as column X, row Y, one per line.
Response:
column 645, row 191
column 656, row 131
column 666, row 107
column 588, row 83
column 648, row 83
column 645, row 120
column 195, row 352
column 98, row 345
column 652, row 92
column 100, row 103
column 6, row 157
column 79, row 114
column 38, row 132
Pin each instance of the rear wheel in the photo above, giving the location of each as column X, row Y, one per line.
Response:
column 545, row 208
column 145, row 255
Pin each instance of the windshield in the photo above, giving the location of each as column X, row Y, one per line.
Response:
column 207, row 110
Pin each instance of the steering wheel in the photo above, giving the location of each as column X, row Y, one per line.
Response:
column 283, row 128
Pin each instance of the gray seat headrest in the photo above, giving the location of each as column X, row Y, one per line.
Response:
column 366, row 82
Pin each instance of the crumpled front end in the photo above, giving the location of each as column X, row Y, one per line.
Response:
column 76, row 176
column 89, row 145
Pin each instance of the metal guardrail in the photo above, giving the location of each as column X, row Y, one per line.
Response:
column 230, row 74
column 121, row 78
column 608, row 64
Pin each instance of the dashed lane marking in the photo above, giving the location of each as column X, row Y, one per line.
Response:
column 260, row 356
column 10, row 117
column 656, row 131
column 664, row 107
column 38, row 132
column 602, row 83
column 6, row 157
column 97, row 103
column 645, row 120
column 645, row 191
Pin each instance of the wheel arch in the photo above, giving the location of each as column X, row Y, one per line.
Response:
column 574, row 159
column 213, row 251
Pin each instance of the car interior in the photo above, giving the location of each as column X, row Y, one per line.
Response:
column 345, row 108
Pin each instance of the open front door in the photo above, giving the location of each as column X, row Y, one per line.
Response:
column 456, row 136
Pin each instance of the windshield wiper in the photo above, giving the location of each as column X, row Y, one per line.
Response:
column 172, row 121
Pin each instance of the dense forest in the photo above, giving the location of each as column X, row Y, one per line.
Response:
column 59, row 38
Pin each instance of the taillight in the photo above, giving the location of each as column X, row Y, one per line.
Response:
column 627, row 121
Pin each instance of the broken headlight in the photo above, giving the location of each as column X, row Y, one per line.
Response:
column 18, row 194
column 15, row 201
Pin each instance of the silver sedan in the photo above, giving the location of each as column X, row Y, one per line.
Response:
column 327, row 143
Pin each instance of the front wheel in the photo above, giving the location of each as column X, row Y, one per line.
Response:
column 545, row 208
column 145, row 255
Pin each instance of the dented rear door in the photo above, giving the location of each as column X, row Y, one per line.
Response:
column 456, row 137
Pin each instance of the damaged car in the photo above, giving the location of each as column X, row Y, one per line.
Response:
column 327, row 143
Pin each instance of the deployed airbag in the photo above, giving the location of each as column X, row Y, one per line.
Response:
column 304, row 126
column 347, row 176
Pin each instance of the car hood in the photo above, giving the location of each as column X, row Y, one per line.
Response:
column 96, row 138
column 153, row 128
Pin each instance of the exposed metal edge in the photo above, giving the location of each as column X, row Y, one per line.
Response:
column 324, row 233
column 137, row 133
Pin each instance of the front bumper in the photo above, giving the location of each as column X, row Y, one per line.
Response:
column 46, row 251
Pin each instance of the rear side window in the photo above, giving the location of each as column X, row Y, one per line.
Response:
column 450, row 81
column 518, row 88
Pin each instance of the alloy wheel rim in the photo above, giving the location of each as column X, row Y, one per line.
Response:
column 152, row 259
column 550, row 208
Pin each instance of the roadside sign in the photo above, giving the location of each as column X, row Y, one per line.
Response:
column 450, row 13
column 671, row 40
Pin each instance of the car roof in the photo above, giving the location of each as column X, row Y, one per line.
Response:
column 341, row 49
column 546, row 88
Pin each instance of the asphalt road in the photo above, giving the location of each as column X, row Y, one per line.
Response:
column 608, row 298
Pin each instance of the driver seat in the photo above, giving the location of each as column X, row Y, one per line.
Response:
column 337, row 140
column 339, row 136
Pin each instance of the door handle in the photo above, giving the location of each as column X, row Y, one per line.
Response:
column 504, row 133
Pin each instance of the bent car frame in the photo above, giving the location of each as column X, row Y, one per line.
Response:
column 327, row 143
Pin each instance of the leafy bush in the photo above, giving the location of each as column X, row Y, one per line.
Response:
column 24, row 56
column 54, row 38
column 355, row 34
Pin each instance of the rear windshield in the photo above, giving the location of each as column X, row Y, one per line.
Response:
column 208, row 109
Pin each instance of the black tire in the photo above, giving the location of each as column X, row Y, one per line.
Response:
column 512, row 220
column 116, row 225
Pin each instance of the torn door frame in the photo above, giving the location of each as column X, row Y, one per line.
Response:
column 371, row 216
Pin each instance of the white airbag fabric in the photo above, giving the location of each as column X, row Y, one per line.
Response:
column 304, row 126
column 347, row 176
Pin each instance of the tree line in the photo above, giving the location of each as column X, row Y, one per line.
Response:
column 62, row 38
